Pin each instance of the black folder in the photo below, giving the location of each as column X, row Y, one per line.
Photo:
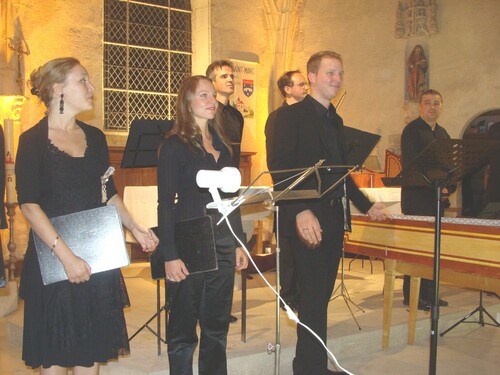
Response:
column 195, row 242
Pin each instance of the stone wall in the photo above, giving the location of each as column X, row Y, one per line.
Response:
column 464, row 59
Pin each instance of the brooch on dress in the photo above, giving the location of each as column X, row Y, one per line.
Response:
column 104, row 179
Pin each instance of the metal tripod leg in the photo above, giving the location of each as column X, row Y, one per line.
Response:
column 481, row 310
column 156, row 316
column 345, row 294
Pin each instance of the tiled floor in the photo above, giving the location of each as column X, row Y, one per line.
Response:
column 469, row 348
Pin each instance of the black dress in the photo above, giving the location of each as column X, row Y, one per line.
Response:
column 67, row 324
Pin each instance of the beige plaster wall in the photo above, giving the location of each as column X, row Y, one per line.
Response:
column 464, row 57
column 55, row 28
column 464, row 60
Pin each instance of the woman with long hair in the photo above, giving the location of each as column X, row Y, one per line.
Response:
column 196, row 143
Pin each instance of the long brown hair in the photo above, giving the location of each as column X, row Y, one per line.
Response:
column 185, row 126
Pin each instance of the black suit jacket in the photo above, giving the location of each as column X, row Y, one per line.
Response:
column 300, row 142
column 269, row 132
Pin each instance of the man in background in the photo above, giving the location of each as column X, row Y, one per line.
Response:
column 221, row 72
column 293, row 86
column 422, row 200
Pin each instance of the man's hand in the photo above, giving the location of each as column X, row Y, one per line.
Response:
column 241, row 259
column 308, row 228
column 378, row 212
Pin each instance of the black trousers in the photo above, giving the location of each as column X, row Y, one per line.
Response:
column 426, row 289
column 203, row 298
column 289, row 290
column 317, row 270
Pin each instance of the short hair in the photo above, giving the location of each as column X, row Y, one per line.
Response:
column 42, row 79
column 217, row 64
column 430, row 92
column 286, row 80
column 315, row 60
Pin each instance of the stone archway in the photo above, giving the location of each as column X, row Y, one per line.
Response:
column 483, row 186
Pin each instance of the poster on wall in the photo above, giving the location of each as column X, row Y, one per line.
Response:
column 417, row 70
column 245, row 94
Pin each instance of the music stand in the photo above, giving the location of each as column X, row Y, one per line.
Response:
column 297, row 176
column 358, row 145
column 144, row 138
column 441, row 163
column 141, row 151
column 491, row 211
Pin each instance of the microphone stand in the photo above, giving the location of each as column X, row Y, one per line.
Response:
column 287, row 194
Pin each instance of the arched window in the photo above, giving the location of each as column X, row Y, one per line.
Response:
column 147, row 54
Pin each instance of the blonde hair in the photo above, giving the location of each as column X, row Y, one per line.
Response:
column 54, row 71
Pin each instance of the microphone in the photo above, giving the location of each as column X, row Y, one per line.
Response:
column 228, row 180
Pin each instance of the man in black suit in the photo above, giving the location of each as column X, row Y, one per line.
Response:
column 293, row 86
column 305, row 133
column 420, row 200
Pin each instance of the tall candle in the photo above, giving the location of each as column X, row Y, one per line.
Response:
column 10, row 178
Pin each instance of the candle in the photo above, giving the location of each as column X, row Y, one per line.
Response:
column 10, row 178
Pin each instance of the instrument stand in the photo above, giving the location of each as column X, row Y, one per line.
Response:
column 345, row 294
column 481, row 310
column 276, row 347
column 157, row 316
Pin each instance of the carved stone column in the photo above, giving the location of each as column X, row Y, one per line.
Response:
column 282, row 18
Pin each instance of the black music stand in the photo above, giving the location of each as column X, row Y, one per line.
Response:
column 442, row 163
column 358, row 145
column 141, row 151
column 297, row 176
column 144, row 138
column 491, row 211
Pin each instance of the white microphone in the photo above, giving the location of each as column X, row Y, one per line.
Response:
column 228, row 180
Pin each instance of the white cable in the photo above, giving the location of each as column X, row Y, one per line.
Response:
column 291, row 315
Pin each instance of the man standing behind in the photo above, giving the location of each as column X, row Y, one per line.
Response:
column 305, row 133
column 221, row 72
column 293, row 87
column 422, row 200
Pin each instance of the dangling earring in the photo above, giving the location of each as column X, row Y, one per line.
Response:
column 61, row 104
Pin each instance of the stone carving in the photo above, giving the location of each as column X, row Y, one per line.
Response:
column 416, row 18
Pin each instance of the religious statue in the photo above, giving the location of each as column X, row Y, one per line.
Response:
column 416, row 81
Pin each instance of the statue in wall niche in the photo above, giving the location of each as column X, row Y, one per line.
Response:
column 416, row 79
column 416, row 18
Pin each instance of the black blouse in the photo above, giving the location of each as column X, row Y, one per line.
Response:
column 179, row 197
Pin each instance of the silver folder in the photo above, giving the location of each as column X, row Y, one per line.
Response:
column 94, row 235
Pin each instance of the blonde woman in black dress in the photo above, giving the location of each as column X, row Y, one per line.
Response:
column 77, row 323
